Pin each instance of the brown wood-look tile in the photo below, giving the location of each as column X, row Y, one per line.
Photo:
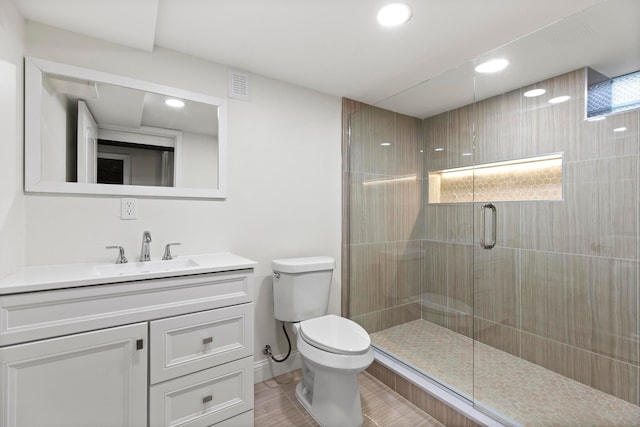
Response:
column 381, row 405
column 382, row 374
column 496, row 285
column 552, row 128
column 460, row 137
column 498, row 128
column 586, row 302
column 602, row 373
column 600, row 141
column 287, row 416
column 274, row 404
column 436, row 137
column 496, row 335
column 460, row 277
column 415, row 418
column 429, row 404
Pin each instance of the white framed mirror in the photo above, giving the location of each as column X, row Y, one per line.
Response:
column 91, row 132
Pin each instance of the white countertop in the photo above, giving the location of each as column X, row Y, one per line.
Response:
column 46, row 277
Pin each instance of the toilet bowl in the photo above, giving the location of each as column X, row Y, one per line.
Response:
column 333, row 349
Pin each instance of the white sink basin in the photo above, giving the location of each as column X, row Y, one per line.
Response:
column 145, row 267
column 45, row 277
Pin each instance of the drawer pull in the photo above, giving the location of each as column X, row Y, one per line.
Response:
column 207, row 340
column 207, row 399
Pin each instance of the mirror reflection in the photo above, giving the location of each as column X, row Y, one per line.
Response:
column 102, row 133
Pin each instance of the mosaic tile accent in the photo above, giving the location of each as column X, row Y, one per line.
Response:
column 532, row 179
column 515, row 388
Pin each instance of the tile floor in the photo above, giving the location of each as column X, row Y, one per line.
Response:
column 276, row 405
column 519, row 390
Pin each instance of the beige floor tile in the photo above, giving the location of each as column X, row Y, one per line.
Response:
column 288, row 416
column 269, row 402
column 415, row 418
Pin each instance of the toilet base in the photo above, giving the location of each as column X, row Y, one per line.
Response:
column 333, row 400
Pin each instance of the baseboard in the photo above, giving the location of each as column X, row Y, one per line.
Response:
column 267, row 368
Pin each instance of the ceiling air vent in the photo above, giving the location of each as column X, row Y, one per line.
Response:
column 239, row 85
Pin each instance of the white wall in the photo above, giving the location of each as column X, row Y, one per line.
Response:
column 284, row 178
column 12, row 223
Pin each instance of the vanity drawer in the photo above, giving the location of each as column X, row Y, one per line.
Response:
column 193, row 342
column 203, row 398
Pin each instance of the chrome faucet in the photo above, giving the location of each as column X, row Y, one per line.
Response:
column 167, row 251
column 122, row 259
column 145, row 253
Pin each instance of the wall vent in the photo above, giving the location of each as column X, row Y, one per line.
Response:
column 239, row 85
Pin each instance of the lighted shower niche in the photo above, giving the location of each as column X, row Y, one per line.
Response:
column 532, row 178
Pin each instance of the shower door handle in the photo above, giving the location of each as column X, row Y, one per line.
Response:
column 494, row 223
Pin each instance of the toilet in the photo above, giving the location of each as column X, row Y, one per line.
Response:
column 333, row 349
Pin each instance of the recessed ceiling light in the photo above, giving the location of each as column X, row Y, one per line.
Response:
column 559, row 99
column 394, row 14
column 467, row 154
column 176, row 103
column 492, row 66
column 620, row 129
column 438, row 149
column 534, row 92
column 385, row 144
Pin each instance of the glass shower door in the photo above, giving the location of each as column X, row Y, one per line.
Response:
column 447, row 297
column 556, row 298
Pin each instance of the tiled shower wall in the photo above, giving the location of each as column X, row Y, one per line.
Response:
column 560, row 288
column 383, row 251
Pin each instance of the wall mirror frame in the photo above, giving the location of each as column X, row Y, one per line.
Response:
column 36, row 179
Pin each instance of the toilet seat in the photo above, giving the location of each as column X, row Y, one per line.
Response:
column 335, row 334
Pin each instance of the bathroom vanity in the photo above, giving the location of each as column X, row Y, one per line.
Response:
column 139, row 344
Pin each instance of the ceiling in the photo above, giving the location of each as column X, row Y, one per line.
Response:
column 332, row 46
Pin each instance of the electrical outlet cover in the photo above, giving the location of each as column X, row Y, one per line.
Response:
column 129, row 208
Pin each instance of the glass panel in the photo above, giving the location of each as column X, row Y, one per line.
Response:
column 556, row 299
column 409, row 264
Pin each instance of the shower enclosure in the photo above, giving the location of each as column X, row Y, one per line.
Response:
column 491, row 245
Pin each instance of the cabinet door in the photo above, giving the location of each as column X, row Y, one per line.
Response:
column 91, row 379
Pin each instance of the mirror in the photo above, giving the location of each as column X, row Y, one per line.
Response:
column 90, row 132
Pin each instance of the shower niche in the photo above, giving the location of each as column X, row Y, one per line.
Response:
column 533, row 178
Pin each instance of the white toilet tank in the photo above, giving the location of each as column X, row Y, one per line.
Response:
column 301, row 287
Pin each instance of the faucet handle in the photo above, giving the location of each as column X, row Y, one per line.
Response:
column 167, row 250
column 121, row 258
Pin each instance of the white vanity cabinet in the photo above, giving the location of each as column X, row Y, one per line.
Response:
column 171, row 351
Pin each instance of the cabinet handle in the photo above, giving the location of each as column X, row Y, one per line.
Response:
column 139, row 344
column 207, row 399
column 207, row 340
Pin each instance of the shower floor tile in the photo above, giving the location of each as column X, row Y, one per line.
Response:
column 514, row 388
